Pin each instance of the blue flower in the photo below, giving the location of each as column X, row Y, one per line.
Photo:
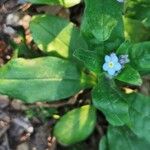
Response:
column 121, row 1
column 123, row 59
column 112, row 65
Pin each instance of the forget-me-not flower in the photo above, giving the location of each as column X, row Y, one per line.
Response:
column 112, row 65
column 123, row 59
column 121, row 1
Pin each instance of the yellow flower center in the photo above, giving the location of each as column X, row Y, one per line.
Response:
column 111, row 64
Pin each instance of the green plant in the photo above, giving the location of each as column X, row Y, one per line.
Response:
column 110, row 50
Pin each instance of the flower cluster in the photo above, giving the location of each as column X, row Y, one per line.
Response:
column 113, row 64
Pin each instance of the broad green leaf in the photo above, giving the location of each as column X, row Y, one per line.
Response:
column 140, row 115
column 40, row 79
column 137, row 23
column 135, row 31
column 110, row 101
column 76, row 125
column 56, row 35
column 122, row 138
column 90, row 59
column 113, row 43
column 100, row 19
column 132, row 11
column 129, row 75
column 65, row 3
column 124, row 48
column 140, row 57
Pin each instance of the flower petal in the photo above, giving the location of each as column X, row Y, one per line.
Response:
column 105, row 67
column 111, row 72
column 107, row 58
column 117, row 67
column 114, row 57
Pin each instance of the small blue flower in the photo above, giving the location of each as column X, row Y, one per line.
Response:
column 112, row 65
column 121, row 1
column 123, row 59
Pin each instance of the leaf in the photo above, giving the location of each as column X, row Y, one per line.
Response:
column 90, row 59
column 65, row 3
column 100, row 18
column 140, row 115
column 129, row 75
column 132, row 11
column 56, row 35
column 140, row 57
column 110, row 101
column 40, row 79
column 137, row 23
column 103, row 143
column 76, row 125
column 122, row 137
column 135, row 31
column 124, row 48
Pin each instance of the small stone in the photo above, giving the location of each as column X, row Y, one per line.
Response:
column 4, row 101
column 30, row 129
column 13, row 19
column 18, row 105
column 8, row 57
column 9, row 30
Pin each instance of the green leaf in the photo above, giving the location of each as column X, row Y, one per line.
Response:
column 140, row 115
column 124, row 48
column 56, row 35
column 76, row 125
column 103, row 143
column 129, row 75
column 40, row 79
column 90, row 59
column 65, row 3
column 122, row 138
column 100, row 18
column 110, row 101
column 135, row 31
column 137, row 23
column 132, row 11
column 140, row 56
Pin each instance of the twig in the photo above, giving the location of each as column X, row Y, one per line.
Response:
column 71, row 101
